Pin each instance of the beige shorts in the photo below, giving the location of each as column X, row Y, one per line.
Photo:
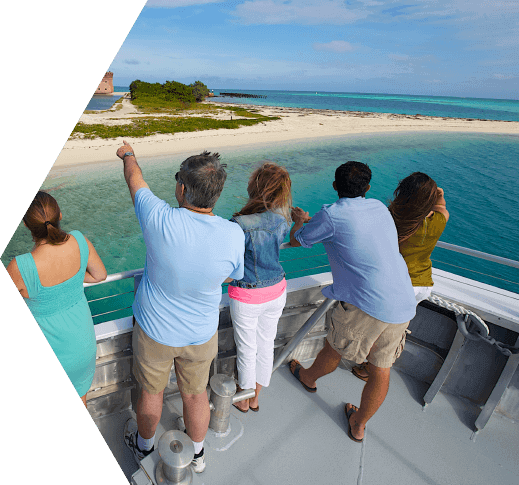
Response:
column 152, row 363
column 357, row 335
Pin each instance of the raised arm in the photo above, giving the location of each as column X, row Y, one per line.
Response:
column 132, row 171
column 441, row 205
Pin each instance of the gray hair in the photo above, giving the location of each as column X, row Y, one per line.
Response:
column 203, row 177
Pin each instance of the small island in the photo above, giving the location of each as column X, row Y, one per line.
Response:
column 168, row 108
column 174, row 118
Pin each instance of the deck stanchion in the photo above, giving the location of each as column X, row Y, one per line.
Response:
column 176, row 451
column 302, row 332
column 223, row 395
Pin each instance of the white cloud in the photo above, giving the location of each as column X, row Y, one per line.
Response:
column 307, row 12
column 334, row 46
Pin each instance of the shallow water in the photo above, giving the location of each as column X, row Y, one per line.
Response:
column 443, row 106
column 478, row 173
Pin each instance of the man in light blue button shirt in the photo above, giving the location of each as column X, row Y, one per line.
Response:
column 371, row 283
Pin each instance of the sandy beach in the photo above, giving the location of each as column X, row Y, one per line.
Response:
column 294, row 124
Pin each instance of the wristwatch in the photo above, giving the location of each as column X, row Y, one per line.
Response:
column 128, row 154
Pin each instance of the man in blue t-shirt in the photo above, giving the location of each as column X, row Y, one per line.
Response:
column 371, row 283
column 190, row 252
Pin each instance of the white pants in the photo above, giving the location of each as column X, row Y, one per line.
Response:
column 255, row 328
column 422, row 293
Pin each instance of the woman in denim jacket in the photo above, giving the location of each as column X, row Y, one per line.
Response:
column 257, row 300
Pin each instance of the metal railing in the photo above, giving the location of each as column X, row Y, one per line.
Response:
column 450, row 247
column 478, row 254
column 461, row 249
column 117, row 277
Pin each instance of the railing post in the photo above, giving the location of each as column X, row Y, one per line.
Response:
column 223, row 395
column 176, row 451
column 302, row 332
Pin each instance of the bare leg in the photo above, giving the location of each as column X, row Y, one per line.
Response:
column 149, row 410
column 373, row 395
column 253, row 402
column 244, row 404
column 196, row 415
column 83, row 398
column 326, row 362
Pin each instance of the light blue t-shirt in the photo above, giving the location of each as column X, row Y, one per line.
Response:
column 361, row 241
column 188, row 257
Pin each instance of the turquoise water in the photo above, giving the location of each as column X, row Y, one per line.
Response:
column 444, row 106
column 477, row 172
column 449, row 107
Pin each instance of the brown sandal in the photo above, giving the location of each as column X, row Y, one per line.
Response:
column 352, row 410
column 362, row 367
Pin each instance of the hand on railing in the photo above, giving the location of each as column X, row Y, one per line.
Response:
column 299, row 215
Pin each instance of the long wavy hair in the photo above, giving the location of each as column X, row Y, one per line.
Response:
column 269, row 189
column 414, row 198
column 42, row 219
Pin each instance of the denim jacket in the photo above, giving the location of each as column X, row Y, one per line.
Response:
column 264, row 233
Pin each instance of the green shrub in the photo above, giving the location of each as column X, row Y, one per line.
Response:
column 200, row 90
column 170, row 91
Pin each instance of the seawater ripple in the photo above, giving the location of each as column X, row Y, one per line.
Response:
column 477, row 171
column 442, row 106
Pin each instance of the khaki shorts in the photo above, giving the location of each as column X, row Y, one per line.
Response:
column 152, row 363
column 357, row 335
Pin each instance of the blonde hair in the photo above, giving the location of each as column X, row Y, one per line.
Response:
column 269, row 189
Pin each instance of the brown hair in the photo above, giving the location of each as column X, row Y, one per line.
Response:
column 415, row 197
column 42, row 219
column 269, row 189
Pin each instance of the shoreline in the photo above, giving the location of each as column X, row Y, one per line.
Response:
column 296, row 124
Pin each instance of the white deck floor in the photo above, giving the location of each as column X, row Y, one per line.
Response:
column 300, row 438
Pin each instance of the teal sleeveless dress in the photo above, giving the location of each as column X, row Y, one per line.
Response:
column 64, row 317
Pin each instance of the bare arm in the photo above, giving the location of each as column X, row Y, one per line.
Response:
column 293, row 241
column 132, row 171
column 14, row 273
column 228, row 280
column 96, row 270
column 441, row 205
column 299, row 216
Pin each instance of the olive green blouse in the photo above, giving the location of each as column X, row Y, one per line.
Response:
column 418, row 248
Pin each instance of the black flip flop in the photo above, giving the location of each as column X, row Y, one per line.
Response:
column 296, row 375
column 348, row 415
column 254, row 409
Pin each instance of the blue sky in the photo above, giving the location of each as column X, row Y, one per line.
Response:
column 430, row 47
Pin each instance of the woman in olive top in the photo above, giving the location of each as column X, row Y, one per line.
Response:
column 420, row 215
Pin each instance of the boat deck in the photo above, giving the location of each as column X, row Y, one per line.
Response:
column 300, row 438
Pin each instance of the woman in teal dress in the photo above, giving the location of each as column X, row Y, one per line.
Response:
column 51, row 278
